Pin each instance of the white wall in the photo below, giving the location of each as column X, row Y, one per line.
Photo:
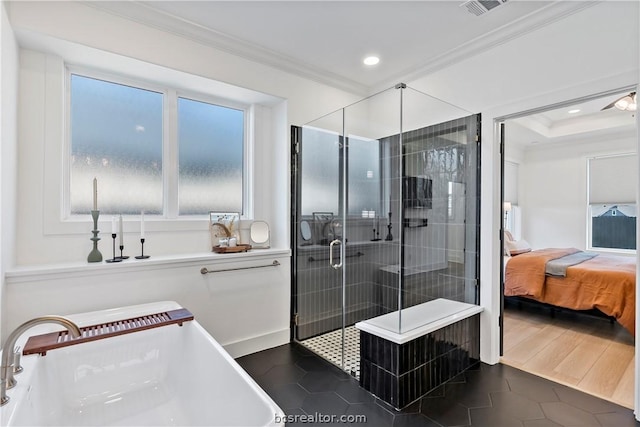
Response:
column 245, row 312
column 3, row 24
column 563, row 60
column 40, row 228
column 554, row 189
column 8, row 147
column 84, row 24
column 42, row 116
column 71, row 22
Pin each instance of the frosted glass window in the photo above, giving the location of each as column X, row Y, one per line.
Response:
column 320, row 171
column 116, row 137
column 211, row 143
column 364, row 176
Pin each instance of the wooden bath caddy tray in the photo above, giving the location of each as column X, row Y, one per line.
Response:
column 231, row 249
column 40, row 344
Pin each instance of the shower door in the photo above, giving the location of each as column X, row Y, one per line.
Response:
column 342, row 234
column 346, row 212
column 318, row 227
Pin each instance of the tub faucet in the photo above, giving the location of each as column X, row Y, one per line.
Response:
column 6, row 372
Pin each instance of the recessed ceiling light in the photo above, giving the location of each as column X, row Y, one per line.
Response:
column 371, row 60
column 577, row 110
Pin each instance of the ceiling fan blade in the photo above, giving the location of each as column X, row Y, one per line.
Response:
column 612, row 104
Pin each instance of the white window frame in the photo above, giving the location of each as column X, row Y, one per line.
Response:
column 170, row 161
column 247, row 148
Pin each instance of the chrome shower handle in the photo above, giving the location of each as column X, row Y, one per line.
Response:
column 331, row 245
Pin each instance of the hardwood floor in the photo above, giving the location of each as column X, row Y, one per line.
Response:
column 589, row 354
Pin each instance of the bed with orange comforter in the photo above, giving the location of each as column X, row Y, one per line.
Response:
column 605, row 282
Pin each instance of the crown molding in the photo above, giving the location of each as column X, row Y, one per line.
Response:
column 152, row 17
column 568, row 128
column 598, row 136
column 526, row 24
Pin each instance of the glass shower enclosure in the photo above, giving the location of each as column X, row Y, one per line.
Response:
column 385, row 215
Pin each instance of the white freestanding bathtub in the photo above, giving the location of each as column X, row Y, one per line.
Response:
column 170, row 375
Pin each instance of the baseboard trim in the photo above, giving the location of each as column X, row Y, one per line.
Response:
column 258, row 343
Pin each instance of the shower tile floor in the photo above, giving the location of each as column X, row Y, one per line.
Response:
column 303, row 384
column 329, row 346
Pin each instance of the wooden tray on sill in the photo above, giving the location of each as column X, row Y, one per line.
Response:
column 231, row 249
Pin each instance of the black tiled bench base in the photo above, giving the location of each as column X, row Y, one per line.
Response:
column 400, row 374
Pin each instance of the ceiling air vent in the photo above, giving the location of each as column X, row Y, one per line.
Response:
column 480, row 7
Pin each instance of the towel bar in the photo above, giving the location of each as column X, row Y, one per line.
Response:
column 204, row 270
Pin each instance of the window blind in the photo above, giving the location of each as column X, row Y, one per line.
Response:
column 613, row 179
column 511, row 182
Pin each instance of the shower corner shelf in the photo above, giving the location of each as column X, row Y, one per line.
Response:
column 40, row 344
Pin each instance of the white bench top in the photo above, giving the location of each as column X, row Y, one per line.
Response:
column 418, row 320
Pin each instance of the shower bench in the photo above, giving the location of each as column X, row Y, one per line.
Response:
column 440, row 339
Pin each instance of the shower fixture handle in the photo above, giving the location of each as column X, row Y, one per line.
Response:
column 331, row 245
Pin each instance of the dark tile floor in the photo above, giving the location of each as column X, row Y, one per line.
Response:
column 302, row 383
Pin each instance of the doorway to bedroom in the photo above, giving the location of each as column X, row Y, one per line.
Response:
column 569, row 179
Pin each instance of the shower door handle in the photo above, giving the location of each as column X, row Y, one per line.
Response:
column 331, row 245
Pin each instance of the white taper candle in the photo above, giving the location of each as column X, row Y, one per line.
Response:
column 121, row 233
column 142, row 224
column 95, row 194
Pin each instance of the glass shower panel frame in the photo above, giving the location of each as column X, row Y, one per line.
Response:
column 317, row 227
column 373, row 247
column 441, row 198
column 381, row 188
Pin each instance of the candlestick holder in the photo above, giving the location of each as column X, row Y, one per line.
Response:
column 122, row 256
column 142, row 255
column 95, row 255
column 389, row 226
column 376, row 235
column 114, row 259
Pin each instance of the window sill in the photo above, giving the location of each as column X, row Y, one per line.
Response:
column 610, row 251
column 83, row 269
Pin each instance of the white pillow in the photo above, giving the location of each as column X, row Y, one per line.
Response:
column 507, row 238
column 517, row 247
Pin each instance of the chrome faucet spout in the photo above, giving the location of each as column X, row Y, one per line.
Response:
column 6, row 373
